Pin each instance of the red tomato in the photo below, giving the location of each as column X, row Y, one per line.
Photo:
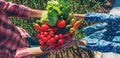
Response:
column 37, row 27
column 44, row 27
column 61, row 23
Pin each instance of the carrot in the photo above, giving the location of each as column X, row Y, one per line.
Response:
column 72, row 30
column 77, row 24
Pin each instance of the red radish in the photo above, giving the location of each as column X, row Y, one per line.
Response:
column 45, row 33
column 56, row 37
column 41, row 42
column 48, row 37
column 38, row 35
column 60, row 41
column 44, row 39
column 52, row 40
column 51, row 33
column 41, row 37
column 60, row 36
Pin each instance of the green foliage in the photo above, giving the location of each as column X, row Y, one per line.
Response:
column 56, row 9
column 26, row 24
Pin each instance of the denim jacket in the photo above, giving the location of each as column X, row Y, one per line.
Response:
column 104, row 36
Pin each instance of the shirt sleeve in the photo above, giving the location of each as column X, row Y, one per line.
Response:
column 102, row 45
column 93, row 28
column 13, row 9
column 101, row 17
column 22, row 53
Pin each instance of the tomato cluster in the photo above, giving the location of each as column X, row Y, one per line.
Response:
column 48, row 38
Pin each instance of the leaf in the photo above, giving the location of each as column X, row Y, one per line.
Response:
column 44, row 17
column 52, row 18
column 57, row 8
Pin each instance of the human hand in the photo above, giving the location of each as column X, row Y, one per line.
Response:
column 36, row 13
column 75, row 43
column 79, row 16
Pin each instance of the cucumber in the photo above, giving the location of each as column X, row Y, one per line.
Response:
column 63, row 30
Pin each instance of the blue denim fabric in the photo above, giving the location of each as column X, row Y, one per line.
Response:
column 103, row 37
column 96, row 27
column 101, row 17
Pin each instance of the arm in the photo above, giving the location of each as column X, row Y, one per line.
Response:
column 80, row 16
column 98, row 17
column 36, row 13
column 29, row 52
column 101, row 45
column 93, row 28
column 96, row 42
column 21, row 52
column 13, row 9
column 35, row 51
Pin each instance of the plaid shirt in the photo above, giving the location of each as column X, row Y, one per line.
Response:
column 12, row 39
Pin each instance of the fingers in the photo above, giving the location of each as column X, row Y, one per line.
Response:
column 69, row 44
column 80, row 16
column 81, row 42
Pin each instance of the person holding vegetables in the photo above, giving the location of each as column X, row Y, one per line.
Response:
column 13, row 43
column 104, row 36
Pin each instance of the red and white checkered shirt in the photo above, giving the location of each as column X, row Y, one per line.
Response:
column 12, row 39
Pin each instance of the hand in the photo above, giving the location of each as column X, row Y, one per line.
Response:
column 79, row 16
column 75, row 43
column 81, row 42
column 36, row 13
column 47, row 50
column 68, row 45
